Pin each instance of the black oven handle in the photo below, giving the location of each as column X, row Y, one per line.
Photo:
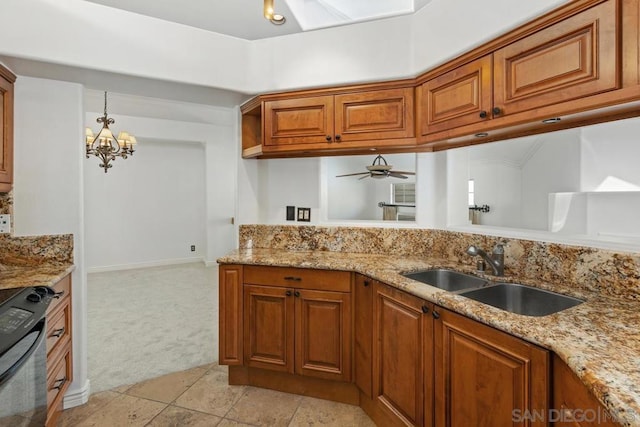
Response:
column 38, row 329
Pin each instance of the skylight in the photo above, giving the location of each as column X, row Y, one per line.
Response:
column 314, row 14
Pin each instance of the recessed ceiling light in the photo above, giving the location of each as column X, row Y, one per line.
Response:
column 481, row 135
column 551, row 120
column 278, row 19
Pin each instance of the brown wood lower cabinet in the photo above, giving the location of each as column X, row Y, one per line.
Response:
column 59, row 344
column 294, row 321
column 485, row 377
column 413, row 363
column 402, row 354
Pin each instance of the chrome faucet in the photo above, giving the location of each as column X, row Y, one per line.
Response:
column 495, row 260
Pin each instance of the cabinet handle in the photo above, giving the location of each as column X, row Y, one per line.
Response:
column 338, row 137
column 288, row 293
column 296, row 294
column 59, row 383
column 497, row 111
column 295, row 279
column 366, row 283
column 425, row 309
column 328, row 138
column 58, row 295
column 435, row 314
column 483, row 114
column 58, row 332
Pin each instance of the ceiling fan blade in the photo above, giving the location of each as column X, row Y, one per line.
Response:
column 353, row 174
column 405, row 173
column 397, row 175
column 366, row 176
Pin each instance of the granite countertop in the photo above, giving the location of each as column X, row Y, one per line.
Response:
column 599, row 339
column 20, row 273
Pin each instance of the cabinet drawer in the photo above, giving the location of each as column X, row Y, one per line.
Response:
column 59, row 326
column 58, row 379
column 300, row 278
column 63, row 290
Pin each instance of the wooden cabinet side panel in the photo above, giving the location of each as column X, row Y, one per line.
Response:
column 576, row 57
column 299, row 121
column 269, row 328
column 363, row 329
column 398, row 354
column 630, row 43
column 230, row 315
column 323, row 334
column 6, row 134
column 374, row 115
column 572, row 399
column 457, row 98
column 485, row 377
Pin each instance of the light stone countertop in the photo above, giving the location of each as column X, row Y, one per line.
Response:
column 599, row 339
column 30, row 273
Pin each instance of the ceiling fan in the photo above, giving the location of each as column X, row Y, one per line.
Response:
column 380, row 169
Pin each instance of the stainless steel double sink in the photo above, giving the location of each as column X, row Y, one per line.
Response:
column 511, row 297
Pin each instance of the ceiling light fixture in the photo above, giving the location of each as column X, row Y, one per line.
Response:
column 269, row 14
column 551, row 120
column 104, row 145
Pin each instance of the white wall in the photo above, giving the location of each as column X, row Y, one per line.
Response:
column 554, row 167
column 288, row 182
column 48, row 186
column 219, row 137
column 498, row 185
column 148, row 209
column 68, row 31
column 609, row 156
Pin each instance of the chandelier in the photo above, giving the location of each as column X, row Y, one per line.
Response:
column 269, row 14
column 104, row 145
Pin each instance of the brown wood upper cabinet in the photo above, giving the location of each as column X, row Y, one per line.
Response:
column 335, row 120
column 485, row 377
column 295, row 328
column 460, row 97
column 572, row 59
column 326, row 121
column 6, row 129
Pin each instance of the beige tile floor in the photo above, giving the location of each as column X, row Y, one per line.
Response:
column 201, row 397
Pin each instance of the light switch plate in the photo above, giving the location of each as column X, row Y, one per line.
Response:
column 304, row 214
column 5, row 223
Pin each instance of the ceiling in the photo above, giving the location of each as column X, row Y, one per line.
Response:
column 244, row 19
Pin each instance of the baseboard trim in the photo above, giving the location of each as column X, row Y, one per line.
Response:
column 161, row 263
column 77, row 397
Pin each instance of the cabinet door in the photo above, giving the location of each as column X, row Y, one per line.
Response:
column 323, row 334
column 299, row 121
column 485, row 377
column 363, row 340
column 268, row 327
column 6, row 134
column 230, row 314
column 459, row 97
column 374, row 115
column 576, row 57
column 399, row 335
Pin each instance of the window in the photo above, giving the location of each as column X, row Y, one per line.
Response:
column 403, row 194
column 472, row 198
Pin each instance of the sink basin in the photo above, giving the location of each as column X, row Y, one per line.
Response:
column 448, row 280
column 522, row 299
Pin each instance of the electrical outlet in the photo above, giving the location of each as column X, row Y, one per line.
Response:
column 5, row 223
column 193, row 248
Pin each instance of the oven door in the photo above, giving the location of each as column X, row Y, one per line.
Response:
column 23, row 374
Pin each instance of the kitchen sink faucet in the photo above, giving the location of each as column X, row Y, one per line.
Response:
column 495, row 260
